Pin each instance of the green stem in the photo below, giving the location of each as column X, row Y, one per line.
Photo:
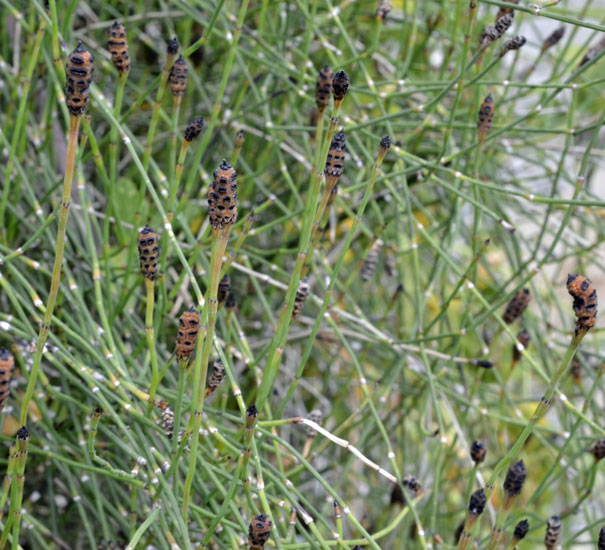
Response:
column 219, row 244
column 56, row 274
column 150, row 334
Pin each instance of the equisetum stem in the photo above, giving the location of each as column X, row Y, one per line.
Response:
column 219, row 244
column 72, row 144
column 333, row 278
column 150, row 334
column 540, row 411
column 141, row 530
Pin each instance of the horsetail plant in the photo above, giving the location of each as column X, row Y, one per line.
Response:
column 222, row 213
column 476, row 506
column 251, row 418
column 16, row 497
column 78, row 70
column 178, row 86
column 191, row 133
column 513, row 484
column 149, row 252
column 585, row 308
column 340, row 87
column 186, row 341
column 410, row 378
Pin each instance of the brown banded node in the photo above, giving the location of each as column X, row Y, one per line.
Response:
column 149, row 252
column 79, row 69
column 194, row 129
column 553, row 531
column 178, row 77
column 118, row 47
column 517, row 305
column 323, row 88
column 7, row 367
column 478, row 451
column 222, row 196
column 585, row 303
column 186, row 337
column 302, row 292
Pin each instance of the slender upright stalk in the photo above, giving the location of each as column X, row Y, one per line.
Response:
column 220, row 236
column 72, row 143
column 150, row 334
column 540, row 411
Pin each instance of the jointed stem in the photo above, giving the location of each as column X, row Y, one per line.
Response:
column 150, row 334
column 219, row 244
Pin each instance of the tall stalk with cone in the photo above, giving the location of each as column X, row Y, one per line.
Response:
column 222, row 203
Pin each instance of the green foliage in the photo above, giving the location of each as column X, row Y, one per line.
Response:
column 457, row 219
